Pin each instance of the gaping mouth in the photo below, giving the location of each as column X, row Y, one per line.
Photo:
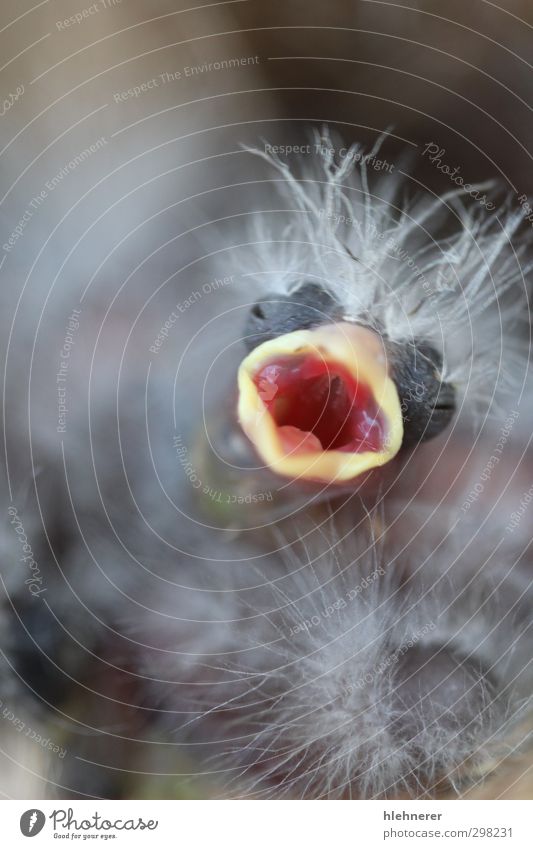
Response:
column 319, row 404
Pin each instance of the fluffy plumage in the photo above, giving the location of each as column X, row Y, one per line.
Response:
column 411, row 265
column 355, row 667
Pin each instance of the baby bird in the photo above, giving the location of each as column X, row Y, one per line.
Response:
column 255, row 548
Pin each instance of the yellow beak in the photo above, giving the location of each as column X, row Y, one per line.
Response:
column 319, row 404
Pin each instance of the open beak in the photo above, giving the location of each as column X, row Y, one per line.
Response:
column 319, row 404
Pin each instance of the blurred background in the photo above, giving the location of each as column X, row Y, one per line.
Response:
column 124, row 184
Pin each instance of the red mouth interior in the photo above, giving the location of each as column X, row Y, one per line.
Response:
column 319, row 406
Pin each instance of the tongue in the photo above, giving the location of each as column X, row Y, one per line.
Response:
column 296, row 441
